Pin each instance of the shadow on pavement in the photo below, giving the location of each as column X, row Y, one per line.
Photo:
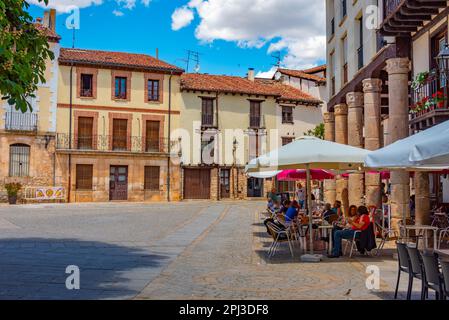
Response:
column 34, row 268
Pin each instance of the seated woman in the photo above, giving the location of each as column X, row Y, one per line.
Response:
column 360, row 222
column 285, row 205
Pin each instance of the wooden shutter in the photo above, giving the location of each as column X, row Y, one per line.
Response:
column 152, row 136
column 85, row 132
column 84, row 176
column 119, row 133
column 207, row 112
column 152, row 176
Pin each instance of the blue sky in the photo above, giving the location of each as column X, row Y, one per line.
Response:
column 143, row 27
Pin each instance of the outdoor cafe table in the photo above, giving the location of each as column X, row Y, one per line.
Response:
column 419, row 229
column 328, row 229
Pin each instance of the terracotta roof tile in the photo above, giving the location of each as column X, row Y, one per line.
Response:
column 301, row 74
column 53, row 36
column 116, row 59
column 231, row 84
column 315, row 69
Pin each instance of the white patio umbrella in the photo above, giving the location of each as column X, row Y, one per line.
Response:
column 310, row 153
column 264, row 174
column 427, row 150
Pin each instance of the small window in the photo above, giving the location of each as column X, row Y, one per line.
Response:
column 86, row 85
column 153, row 90
column 207, row 117
column 152, row 176
column 120, row 87
column 287, row 114
column 19, row 160
column 84, row 176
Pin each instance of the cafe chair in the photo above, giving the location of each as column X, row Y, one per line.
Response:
column 445, row 271
column 433, row 278
column 353, row 243
column 279, row 236
column 416, row 268
column 404, row 265
column 444, row 234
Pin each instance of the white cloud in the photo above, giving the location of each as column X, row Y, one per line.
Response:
column 266, row 74
column 297, row 26
column 127, row 4
column 181, row 18
column 146, row 3
column 118, row 13
column 66, row 5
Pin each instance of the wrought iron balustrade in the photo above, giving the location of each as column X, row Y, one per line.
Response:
column 108, row 143
column 18, row 121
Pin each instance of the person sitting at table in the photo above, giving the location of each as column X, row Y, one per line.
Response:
column 327, row 212
column 274, row 197
column 284, row 207
column 292, row 212
column 360, row 222
column 337, row 208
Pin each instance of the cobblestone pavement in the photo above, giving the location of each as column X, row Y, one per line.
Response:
column 190, row 250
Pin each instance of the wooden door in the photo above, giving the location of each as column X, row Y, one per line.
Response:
column 196, row 183
column 119, row 134
column 85, row 133
column 118, row 183
column 255, row 188
column 225, row 183
column 152, row 136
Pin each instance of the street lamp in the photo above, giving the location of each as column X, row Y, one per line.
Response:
column 443, row 61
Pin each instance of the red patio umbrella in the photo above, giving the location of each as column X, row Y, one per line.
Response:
column 295, row 175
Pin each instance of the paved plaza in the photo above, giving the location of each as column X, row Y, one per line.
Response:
column 189, row 250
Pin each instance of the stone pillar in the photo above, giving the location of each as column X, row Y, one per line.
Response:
column 422, row 198
column 341, row 136
column 398, row 128
column 372, row 89
column 356, row 185
column 330, row 193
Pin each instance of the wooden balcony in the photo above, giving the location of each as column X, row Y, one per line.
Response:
column 403, row 17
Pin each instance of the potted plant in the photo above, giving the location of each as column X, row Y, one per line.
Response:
column 12, row 189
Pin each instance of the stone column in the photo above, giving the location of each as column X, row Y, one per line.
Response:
column 398, row 128
column 422, row 198
column 356, row 185
column 372, row 89
column 341, row 136
column 330, row 192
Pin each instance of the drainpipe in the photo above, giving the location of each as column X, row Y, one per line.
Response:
column 169, row 135
column 69, row 189
column 218, row 154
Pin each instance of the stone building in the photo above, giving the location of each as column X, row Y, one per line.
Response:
column 115, row 114
column 230, row 121
column 369, row 69
column 27, row 140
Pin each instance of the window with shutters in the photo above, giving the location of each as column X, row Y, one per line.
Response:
column 255, row 114
column 152, row 139
column 84, row 176
column 19, row 160
column 152, row 175
column 85, row 133
column 287, row 114
column 207, row 119
column 119, row 134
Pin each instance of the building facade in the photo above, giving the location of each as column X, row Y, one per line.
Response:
column 115, row 113
column 232, row 120
column 27, row 140
column 369, row 71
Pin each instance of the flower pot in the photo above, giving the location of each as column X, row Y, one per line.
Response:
column 12, row 199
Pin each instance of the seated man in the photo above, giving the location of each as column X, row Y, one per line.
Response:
column 285, row 205
column 337, row 208
column 327, row 213
column 274, row 197
column 292, row 212
column 360, row 222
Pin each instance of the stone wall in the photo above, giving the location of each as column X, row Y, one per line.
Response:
column 41, row 167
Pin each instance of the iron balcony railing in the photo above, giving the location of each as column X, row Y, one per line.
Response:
column 108, row 143
column 208, row 120
column 18, row 121
column 430, row 95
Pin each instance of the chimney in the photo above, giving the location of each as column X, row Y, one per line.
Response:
column 46, row 20
column 157, row 53
column 52, row 20
column 251, row 74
